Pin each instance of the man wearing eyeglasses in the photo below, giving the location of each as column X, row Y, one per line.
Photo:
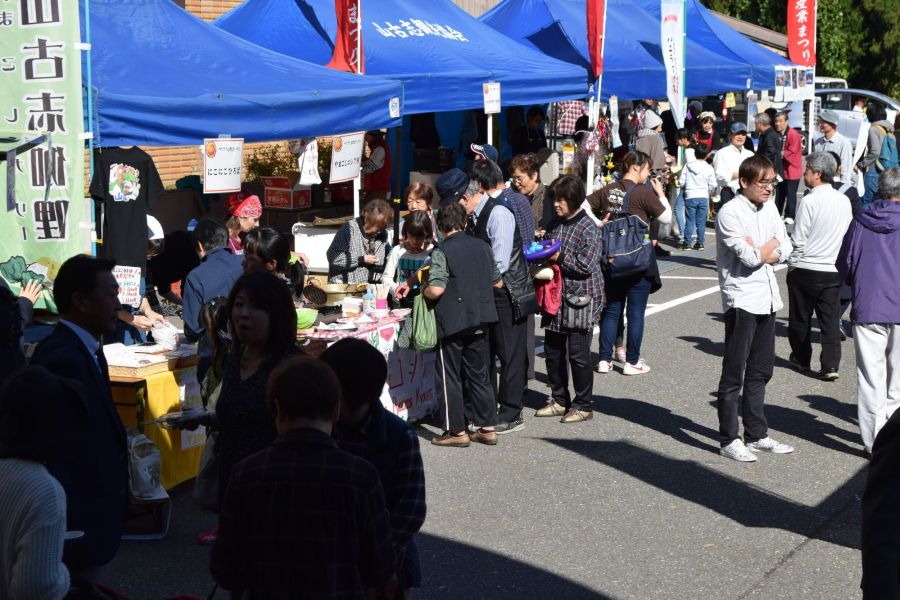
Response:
column 728, row 160
column 750, row 240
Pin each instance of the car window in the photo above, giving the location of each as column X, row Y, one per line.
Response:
column 836, row 101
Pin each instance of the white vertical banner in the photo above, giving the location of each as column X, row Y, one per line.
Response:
column 672, row 41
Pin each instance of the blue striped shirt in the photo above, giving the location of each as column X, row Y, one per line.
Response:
column 500, row 227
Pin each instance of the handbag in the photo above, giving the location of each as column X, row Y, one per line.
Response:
column 424, row 324
column 206, row 484
column 576, row 312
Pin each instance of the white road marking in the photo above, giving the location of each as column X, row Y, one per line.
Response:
column 688, row 277
column 684, row 299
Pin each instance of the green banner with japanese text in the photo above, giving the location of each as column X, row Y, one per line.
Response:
column 44, row 217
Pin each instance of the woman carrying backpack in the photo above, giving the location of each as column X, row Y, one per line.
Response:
column 629, row 293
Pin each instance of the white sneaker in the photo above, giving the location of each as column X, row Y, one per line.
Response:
column 767, row 444
column 788, row 221
column 639, row 368
column 736, row 450
column 604, row 366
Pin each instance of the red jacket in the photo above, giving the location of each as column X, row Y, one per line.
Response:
column 549, row 293
column 792, row 155
column 380, row 180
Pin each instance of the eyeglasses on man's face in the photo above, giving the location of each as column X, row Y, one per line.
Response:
column 765, row 183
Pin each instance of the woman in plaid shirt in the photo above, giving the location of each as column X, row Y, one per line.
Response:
column 568, row 332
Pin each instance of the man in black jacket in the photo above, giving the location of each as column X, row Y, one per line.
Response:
column 770, row 144
column 93, row 468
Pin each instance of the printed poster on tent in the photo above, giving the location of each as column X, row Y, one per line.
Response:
column 44, row 216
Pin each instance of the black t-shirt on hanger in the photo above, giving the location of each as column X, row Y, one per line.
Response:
column 127, row 183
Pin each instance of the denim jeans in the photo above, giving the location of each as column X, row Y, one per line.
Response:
column 679, row 210
column 695, row 215
column 631, row 293
column 871, row 181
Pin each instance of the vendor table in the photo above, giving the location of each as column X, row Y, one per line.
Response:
column 409, row 391
column 141, row 400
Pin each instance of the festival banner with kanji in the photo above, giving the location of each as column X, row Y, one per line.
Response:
column 596, row 14
column 43, row 216
column 801, row 31
column 672, row 41
column 348, row 49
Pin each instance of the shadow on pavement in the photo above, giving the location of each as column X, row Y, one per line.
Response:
column 660, row 419
column 452, row 569
column 831, row 406
column 746, row 504
column 705, row 345
column 807, row 426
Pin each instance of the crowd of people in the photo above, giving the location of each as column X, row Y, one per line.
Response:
column 319, row 484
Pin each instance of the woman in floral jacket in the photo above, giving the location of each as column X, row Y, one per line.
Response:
column 568, row 332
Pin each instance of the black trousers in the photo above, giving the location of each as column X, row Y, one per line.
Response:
column 461, row 377
column 748, row 363
column 576, row 346
column 509, row 340
column 786, row 197
column 817, row 291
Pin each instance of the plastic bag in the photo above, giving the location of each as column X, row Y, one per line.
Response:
column 166, row 335
column 143, row 468
column 424, row 325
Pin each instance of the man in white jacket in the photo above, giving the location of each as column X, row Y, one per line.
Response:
column 814, row 283
column 750, row 240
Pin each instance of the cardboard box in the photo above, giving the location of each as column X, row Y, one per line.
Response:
column 279, row 193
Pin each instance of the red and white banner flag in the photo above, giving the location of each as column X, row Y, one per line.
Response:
column 672, row 42
column 801, row 31
column 348, row 50
column 596, row 13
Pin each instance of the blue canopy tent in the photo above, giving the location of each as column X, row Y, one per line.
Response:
column 722, row 39
column 162, row 77
column 442, row 55
column 633, row 64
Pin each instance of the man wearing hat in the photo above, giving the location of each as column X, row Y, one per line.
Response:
column 832, row 141
column 728, row 160
column 485, row 152
column 377, row 168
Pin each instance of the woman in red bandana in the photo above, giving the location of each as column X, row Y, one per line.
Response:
column 243, row 216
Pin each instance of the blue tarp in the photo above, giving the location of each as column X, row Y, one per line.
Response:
column 440, row 72
column 633, row 64
column 722, row 39
column 162, row 77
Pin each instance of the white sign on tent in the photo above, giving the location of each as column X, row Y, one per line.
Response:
column 672, row 37
column 346, row 157
column 222, row 160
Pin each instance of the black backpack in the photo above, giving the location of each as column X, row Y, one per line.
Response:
column 626, row 244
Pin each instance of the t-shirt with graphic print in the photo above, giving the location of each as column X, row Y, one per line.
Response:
column 127, row 184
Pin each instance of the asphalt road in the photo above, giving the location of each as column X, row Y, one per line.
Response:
column 636, row 503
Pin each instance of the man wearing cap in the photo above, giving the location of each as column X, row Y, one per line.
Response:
column 377, row 168
column 728, row 160
column 832, row 141
column 485, row 152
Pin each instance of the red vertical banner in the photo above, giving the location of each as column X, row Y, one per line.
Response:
column 595, row 15
column 801, row 32
column 348, row 52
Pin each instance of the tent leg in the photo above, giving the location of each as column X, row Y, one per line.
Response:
column 398, row 178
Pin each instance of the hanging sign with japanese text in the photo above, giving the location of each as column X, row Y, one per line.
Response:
column 491, row 92
column 222, row 160
column 672, row 38
column 801, row 31
column 43, row 215
column 346, row 157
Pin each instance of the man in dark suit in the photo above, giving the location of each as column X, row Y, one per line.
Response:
column 92, row 464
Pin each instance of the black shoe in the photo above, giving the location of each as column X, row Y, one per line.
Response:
column 517, row 424
column 660, row 251
column 828, row 375
column 797, row 364
column 698, row 246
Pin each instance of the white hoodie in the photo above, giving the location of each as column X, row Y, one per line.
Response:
column 698, row 179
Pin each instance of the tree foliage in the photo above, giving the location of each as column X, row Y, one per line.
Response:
column 858, row 40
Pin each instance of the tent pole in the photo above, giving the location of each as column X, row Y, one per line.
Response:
column 90, row 115
column 595, row 105
column 396, row 162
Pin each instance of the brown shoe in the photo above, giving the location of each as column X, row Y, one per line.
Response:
column 482, row 436
column 576, row 416
column 552, row 409
column 448, row 438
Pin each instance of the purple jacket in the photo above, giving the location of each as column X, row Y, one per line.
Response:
column 868, row 260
